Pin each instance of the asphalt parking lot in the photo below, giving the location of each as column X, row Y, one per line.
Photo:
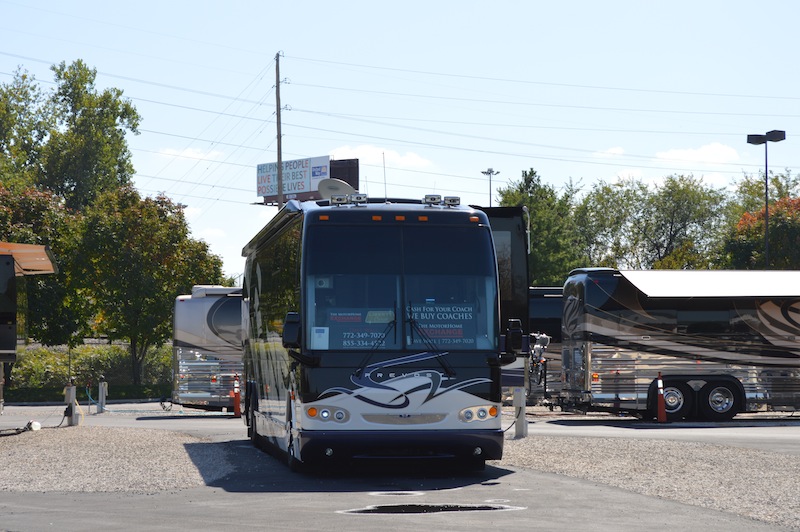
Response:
column 256, row 491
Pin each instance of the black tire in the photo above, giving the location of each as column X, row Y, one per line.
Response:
column 252, row 429
column 678, row 400
column 245, row 406
column 248, row 410
column 719, row 401
column 295, row 465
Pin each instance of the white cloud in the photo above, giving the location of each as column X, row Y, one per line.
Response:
column 192, row 213
column 210, row 234
column 374, row 155
column 716, row 179
column 714, row 153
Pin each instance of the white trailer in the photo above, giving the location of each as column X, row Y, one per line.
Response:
column 207, row 346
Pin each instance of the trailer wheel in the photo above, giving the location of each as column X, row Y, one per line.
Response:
column 678, row 399
column 719, row 401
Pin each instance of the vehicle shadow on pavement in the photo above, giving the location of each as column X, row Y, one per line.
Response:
column 237, row 466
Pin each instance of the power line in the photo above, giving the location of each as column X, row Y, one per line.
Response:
column 544, row 83
column 533, row 104
column 437, row 146
column 513, row 154
column 520, row 126
column 430, row 96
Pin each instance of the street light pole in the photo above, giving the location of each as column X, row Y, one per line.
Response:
column 775, row 135
column 490, row 172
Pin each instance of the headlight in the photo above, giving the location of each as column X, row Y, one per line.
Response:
column 322, row 413
column 477, row 413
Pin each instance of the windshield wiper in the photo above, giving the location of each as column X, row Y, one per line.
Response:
column 374, row 348
column 415, row 326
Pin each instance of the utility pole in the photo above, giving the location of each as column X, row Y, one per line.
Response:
column 490, row 172
column 278, row 120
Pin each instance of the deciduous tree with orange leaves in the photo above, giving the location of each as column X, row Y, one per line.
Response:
column 746, row 247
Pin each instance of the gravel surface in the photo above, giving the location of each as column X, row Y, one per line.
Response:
column 755, row 484
column 107, row 459
column 751, row 483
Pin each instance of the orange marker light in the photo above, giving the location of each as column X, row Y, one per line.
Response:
column 493, row 411
column 312, row 412
column 400, row 218
column 423, row 218
column 377, row 218
column 324, row 217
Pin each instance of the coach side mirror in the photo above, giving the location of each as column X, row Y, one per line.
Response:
column 514, row 336
column 291, row 330
column 512, row 344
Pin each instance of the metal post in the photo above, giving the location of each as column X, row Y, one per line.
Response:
column 490, row 172
column 69, row 399
column 766, row 208
column 102, row 392
column 526, row 375
column 521, row 422
column 278, row 123
column 776, row 135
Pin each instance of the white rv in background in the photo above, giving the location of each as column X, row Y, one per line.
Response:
column 207, row 346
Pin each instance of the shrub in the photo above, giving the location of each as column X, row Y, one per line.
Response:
column 49, row 367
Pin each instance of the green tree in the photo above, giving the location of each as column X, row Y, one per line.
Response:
column 136, row 256
column 680, row 224
column 630, row 225
column 25, row 118
column 57, row 151
column 749, row 194
column 52, row 314
column 604, row 218
column 553, row 233
column 86, row 152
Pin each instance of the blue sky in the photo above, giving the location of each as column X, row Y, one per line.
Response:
column 427, row 95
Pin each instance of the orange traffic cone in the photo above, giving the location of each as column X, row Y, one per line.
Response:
column 237, row 407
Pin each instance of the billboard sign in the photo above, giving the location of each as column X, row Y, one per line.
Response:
column 300, row 178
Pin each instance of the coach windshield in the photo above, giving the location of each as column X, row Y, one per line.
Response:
column 400, row 287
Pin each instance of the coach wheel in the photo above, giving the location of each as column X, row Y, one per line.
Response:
column 252, row 430
column 295, row 465
column 677, row 400
column 248, row 412
column 719, row 401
